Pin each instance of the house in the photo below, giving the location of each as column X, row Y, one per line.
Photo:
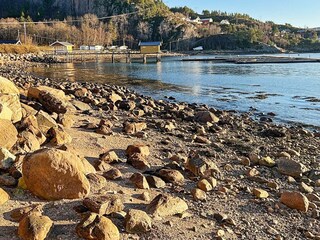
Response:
column 84, row 48
column 13, row 42
column 62, row 47
column 206, row 20
column 150, row 47
column 225, row 22
column 197, row 20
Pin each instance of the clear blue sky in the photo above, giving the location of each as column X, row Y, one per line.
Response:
column 301, row 13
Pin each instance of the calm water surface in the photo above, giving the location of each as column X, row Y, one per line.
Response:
column 291, row 91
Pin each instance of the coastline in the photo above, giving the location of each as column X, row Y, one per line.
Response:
column 248, row 155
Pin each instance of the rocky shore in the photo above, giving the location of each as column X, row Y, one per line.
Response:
column 94, row 161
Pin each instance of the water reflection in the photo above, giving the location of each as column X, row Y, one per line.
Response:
column 222, row 85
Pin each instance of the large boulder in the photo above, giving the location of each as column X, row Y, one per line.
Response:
column 6, row 86
column 137, row 221
column 295, row 200
column 8, row 134
column 27, row 142
column 206, row 116
column 97, row 227
column 10, row 98
column 104, row 205
column 52, row 103
column 290, row 167
column 34, row 92
column 54, row 174
column 164, row 205
column 45, row 121
column 34, row 226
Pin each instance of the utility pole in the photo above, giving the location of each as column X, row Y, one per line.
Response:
column 25, row 32
column 170, row 47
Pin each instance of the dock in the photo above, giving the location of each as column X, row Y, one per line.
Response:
column 113, row 57
column 254, row 60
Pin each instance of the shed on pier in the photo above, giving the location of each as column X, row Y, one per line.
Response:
column 150, row 47
column 62, row 47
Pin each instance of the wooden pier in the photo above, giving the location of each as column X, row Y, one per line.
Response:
column 113, row 57
column 254, row 60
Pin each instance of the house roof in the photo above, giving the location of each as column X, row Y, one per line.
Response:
column 62, row 43
column 150, row 43
column 10, row 41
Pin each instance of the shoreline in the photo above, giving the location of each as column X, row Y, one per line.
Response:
column 242, row 155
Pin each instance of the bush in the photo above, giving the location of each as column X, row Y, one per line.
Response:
column 18, row 49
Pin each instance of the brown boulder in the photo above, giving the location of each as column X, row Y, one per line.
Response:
column 97, row 182
column 8, row 134
column 290, row 167
column 52, row 103
column 104, row 205
column 138, row 148
column 113, row 174
column 138, row 161
column 164, row 205
column 198, row 194
column 132, row 128
column 45, row 121
column 206, row 116
column 95, row 227
column 66, row 120
column 6, row 86
column 155, row 182
column 137, row 221
column 4, row 196
column 27, row 142
column 53, row 174
column 34, row 226
column 59, row 136
column 34, row 92
column 201, row 167
column 139, row 181
column 19, row 213
column 109, row 157
column 10, row 98
column 172, row 176
column 295, row 200
column 204, row 185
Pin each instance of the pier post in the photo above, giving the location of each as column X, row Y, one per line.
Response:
column 144, row 58
column 112, row 58
column 158, row 58
column 128, row 60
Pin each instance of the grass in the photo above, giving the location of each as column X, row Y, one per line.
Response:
column 18, row 49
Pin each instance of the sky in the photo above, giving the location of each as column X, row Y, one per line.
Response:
column 300, row 13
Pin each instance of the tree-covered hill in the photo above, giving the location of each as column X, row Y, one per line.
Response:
column 83, row 22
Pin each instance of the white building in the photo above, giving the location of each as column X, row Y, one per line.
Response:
column 225, row 22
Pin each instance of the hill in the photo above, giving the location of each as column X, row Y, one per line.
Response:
column 136, row 20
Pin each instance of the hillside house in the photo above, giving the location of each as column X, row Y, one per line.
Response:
column 150, row 47
column 225, row 22
column 196, row 20
column 62, row 47
column 206, row 20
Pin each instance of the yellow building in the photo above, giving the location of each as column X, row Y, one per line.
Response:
column 62, row 47
column 150, row 47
